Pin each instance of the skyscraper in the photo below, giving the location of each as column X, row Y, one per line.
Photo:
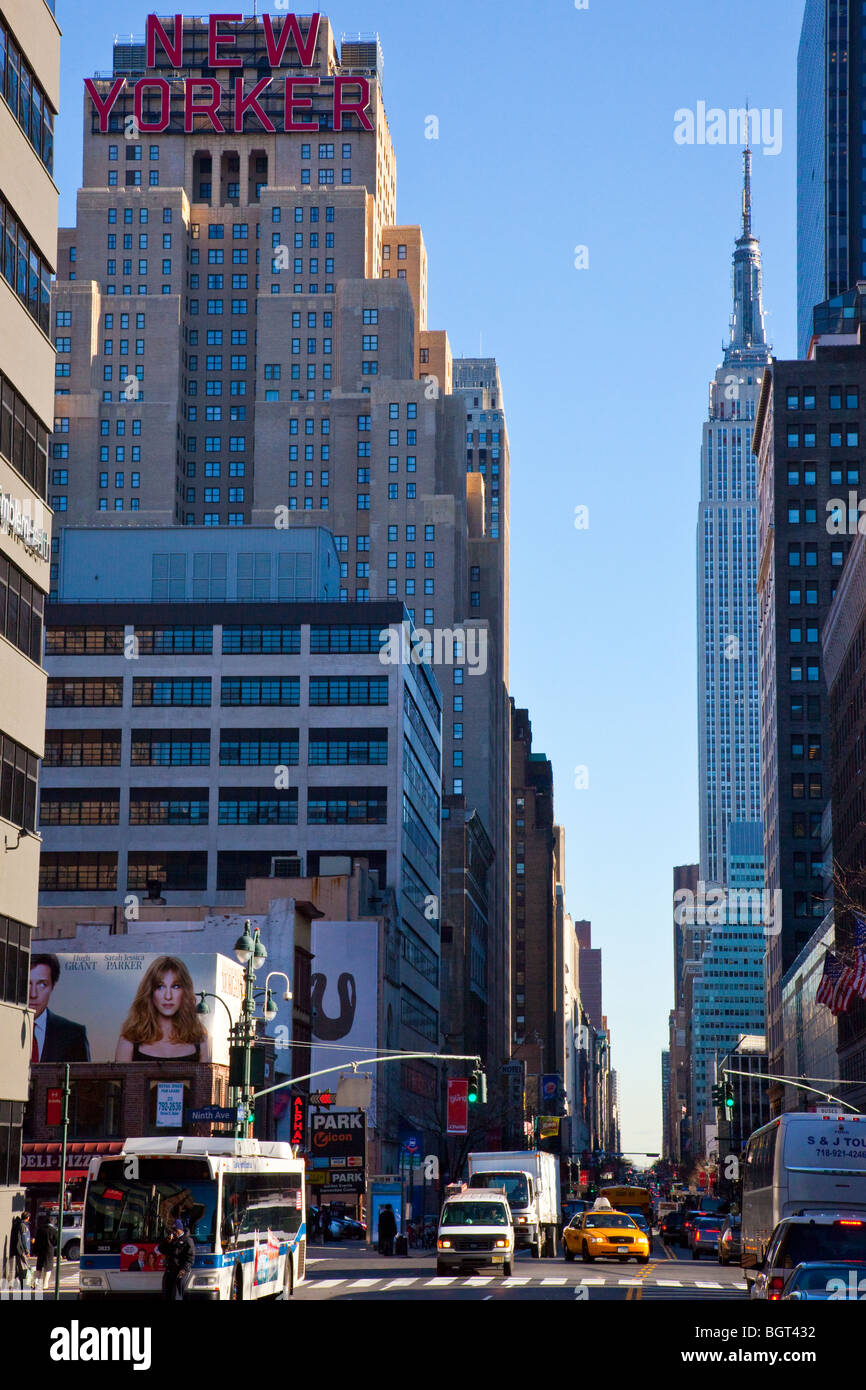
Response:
column 29, row 87
column 728, row 650
column 247, row 346
column 831, row 157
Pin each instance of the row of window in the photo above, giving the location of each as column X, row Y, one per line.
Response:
column 837, row 398
column 14, row 961
column 21, row 610
column 18, row 769
column 26, row 98
column 237, row 639
column 808, row 555
column 24, row 267
column 237, row 748
column 182, row 871
column 234, row 691
column 23, row 438
column 841, row 437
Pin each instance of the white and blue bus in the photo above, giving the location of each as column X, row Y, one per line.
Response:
column 242, row 1201
column 801, row 1162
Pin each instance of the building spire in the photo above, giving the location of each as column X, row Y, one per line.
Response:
column 748, row 339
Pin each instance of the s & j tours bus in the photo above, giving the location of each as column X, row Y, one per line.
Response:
column 242, row 1201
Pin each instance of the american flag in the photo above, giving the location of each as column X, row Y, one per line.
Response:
column 837, row 984
column 859, row 982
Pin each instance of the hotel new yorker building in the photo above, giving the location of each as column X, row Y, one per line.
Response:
column 243, row 342
column 29, row 80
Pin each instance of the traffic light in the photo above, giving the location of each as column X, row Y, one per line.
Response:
column 477, row 1088
column 718, row 1096
column 729, row 1096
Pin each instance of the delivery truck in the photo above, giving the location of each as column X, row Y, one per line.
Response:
column 530, row 1180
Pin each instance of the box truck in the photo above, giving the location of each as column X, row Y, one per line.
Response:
column 530, row 1180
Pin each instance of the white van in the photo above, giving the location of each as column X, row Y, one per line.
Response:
column 475, row 1231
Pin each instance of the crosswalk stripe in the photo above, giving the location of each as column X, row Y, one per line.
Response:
column 401, row 1283
column 700, row 1285
column 557, row 1282
column 669, row 1283
column 630, row 1283
column 478, row 1282
column 326, row 1283
column 515, row 1283
column 363, row 1283
column 440, row 1281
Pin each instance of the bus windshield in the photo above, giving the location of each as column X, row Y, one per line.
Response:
column 516, row 1186
column 131, row 1211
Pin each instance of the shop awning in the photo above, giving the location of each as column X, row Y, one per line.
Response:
column 40, row 1163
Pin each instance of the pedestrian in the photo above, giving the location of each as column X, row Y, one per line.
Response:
column 178, row 1249
column 21, row 1248
column 387, row 1229
column 45, row 1249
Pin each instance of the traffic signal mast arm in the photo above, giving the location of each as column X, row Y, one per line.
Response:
column 374, row 1062
column 799, row 1085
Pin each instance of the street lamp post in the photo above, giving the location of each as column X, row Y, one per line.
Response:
column 251, row 954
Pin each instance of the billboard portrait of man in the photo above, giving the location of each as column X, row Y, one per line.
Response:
column 55, row 1039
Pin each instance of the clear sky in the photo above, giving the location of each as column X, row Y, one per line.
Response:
column 556, row 131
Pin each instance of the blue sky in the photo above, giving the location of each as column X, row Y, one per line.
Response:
column 556, row 130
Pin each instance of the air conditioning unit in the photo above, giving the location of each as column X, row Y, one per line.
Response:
column 285, row 866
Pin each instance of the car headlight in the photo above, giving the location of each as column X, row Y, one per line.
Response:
column 206, row 1281
column 502, row 1245
column 91, row 1281
column 597, row 1240
column 444, row 1245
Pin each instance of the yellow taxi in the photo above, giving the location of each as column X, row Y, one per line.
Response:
column 608, row 1235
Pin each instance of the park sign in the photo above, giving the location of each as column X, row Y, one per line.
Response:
column 204, row 96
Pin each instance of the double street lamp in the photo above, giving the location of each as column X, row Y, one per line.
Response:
column 251, row 953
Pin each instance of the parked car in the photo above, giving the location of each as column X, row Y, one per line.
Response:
column 730, row 1244
column 815, row 1282
column 816, row 1238
column 345, row 1228
column 704, row 1235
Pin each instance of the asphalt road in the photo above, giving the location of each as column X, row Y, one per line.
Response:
column 358, row 1272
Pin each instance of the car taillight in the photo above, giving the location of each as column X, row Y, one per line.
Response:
column 774, row 1288
column 848, row 1223
column 697, row 1235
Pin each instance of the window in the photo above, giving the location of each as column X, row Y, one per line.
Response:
column 260, row 691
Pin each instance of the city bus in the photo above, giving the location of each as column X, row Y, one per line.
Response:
column 242, row 1201
column 796, row 1164
column 630, row 1199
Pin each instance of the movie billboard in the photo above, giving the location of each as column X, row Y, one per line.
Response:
column 345, row 996
column 131, row 1006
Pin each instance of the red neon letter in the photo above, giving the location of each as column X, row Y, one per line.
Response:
column 292, row 101
column 215, row 41
column 206, row 108
column 277, row 47
column 155, row 31
column 244, row 103
column 359, row 108
column 104, row 106
column 165, row 104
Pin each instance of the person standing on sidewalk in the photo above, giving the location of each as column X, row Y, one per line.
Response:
column 21, row 1249
column 45, row 1249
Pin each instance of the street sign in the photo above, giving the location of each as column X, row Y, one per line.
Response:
column 457, row 1119
column 212, row 1115
column 322, row 1097
column 354, row 1092
column 410, row 1142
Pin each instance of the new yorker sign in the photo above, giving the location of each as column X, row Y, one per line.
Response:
column 16, row 519
column 203, row 96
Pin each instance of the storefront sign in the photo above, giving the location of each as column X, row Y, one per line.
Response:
column 298, row 1122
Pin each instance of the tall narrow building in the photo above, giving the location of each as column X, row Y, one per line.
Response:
column 729, row 764
column 29, row 85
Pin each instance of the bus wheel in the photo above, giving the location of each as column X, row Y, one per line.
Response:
column 237, row 1286
column 289, row 1286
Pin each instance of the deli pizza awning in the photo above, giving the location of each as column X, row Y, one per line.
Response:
column 40, row 1163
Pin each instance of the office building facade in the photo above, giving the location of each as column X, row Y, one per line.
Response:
column 29, row 94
